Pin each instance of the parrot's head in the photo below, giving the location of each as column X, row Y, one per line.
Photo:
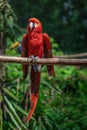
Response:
column 34, row 25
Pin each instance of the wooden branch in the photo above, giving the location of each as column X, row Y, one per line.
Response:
column 44, row 61
column 81, row 55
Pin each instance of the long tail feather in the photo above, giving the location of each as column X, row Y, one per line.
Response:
column 34, row 99
column 35, row 83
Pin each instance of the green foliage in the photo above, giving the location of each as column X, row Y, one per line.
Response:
column 8, row 21
column 62, row 101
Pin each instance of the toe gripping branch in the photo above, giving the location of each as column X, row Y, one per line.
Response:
column 33, row 59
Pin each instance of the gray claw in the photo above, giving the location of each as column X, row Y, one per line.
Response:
column 31, row 58
column 36, row 57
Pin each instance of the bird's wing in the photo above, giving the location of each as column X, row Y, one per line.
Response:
column 48, row 52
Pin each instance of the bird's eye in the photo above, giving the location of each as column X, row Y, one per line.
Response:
column 35, row 24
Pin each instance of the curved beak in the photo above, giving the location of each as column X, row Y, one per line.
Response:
column 31, row 24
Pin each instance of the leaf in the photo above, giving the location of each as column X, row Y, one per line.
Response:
column 14, row 112
column 11, row 126
column 13, row 119
column 9, row 93
column 18, row 86
column 1, row 98
column 50, row 86
column 19, row 109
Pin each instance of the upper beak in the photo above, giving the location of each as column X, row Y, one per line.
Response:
column 31, row 24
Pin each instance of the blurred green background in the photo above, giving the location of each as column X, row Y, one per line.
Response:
column 64, row 20
column 62, row 101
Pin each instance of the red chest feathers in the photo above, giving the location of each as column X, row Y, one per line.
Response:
column 35, row 44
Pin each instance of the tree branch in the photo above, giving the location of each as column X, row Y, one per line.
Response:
column 44, row 61
column 81, row 55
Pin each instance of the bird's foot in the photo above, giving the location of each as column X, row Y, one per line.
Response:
column 34, row 59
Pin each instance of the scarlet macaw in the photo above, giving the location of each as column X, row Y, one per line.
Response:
column 35, row 45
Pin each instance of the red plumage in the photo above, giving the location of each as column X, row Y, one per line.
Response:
column 37, row 44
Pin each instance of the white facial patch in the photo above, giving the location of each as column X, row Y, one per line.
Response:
column 35, row 24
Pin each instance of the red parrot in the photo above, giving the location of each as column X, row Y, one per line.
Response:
column 35, row 44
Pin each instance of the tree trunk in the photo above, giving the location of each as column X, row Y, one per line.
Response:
column 2, row 68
